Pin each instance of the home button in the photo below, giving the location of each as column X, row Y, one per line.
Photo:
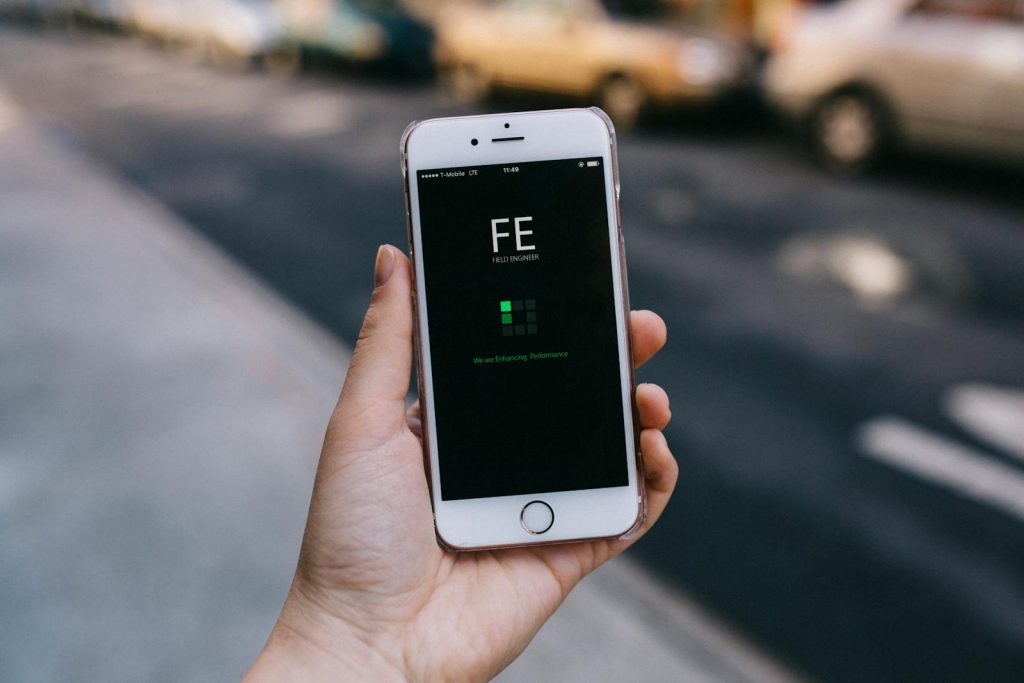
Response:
column 537, row 517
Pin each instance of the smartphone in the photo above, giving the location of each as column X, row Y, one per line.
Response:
column 522, row 325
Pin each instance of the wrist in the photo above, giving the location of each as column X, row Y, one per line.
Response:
column 308, row 645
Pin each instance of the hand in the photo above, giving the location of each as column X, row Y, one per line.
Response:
column 374, row 597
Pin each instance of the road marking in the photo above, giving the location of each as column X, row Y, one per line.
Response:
column 994, row 414
column 944, row 462
column 864, row 263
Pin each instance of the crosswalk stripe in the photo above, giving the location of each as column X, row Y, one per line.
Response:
column 944, row 462
column 993, row 414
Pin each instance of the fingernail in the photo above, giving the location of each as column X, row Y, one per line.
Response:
column 385, row 265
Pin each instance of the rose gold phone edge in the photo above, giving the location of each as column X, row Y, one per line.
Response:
column 642, row 504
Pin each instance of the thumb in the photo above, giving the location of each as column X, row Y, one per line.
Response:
column 378, row 377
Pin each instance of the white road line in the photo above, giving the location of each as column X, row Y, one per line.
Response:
column 994, row 414
column 944, row 462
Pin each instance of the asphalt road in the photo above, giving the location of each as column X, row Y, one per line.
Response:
column 845, row 359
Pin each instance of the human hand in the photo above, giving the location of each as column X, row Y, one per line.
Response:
column 374, row 597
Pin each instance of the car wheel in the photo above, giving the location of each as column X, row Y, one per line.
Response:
column 466, row 84
column 849, row 132
column 623, row 100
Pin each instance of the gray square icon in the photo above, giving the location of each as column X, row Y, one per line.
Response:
column 531, row 329
column 520, row 330
column 531, row 304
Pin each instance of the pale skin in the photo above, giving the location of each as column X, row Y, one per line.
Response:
column 374, row 597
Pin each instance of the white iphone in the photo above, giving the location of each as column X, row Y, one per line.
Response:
column 522, row 321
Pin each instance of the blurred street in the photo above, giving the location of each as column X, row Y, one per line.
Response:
column 845, row 357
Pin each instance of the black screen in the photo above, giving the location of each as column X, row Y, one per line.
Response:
column 521, row 311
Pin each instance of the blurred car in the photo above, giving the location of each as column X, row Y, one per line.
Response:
column 626, row 55
column 378, row 32
column 47, row 11
column 226, row 30
column 864, row 75
column 105, row 13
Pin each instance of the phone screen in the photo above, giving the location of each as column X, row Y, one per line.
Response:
column 521, row 313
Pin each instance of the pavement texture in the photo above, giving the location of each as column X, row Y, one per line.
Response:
column 162, row 413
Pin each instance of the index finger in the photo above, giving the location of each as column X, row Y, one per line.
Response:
column 649, row 333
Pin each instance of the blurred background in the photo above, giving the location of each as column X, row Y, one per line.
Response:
column 823, row 200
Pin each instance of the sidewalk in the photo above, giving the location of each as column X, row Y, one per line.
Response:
column 161, row 414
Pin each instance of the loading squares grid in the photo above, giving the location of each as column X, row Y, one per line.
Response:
column 518, row 317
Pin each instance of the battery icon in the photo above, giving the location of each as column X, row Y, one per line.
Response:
column 591, row 164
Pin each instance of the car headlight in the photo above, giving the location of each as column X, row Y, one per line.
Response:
column 702, row 61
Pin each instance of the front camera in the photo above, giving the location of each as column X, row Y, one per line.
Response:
column 473, row 141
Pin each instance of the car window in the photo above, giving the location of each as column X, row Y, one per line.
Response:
column 571, row 9
column 558, row 8
column 979, row 10
column 661, row 11
column 522, row 5
column 637, row 9
column 382, row 6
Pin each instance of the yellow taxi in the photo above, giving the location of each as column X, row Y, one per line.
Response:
column 624, row 55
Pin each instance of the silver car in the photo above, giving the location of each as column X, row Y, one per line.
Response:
column 863, row 75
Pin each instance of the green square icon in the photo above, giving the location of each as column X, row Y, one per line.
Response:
column 506, row 306
column 506, row 318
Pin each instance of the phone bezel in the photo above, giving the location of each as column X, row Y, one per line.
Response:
column 559, row 134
